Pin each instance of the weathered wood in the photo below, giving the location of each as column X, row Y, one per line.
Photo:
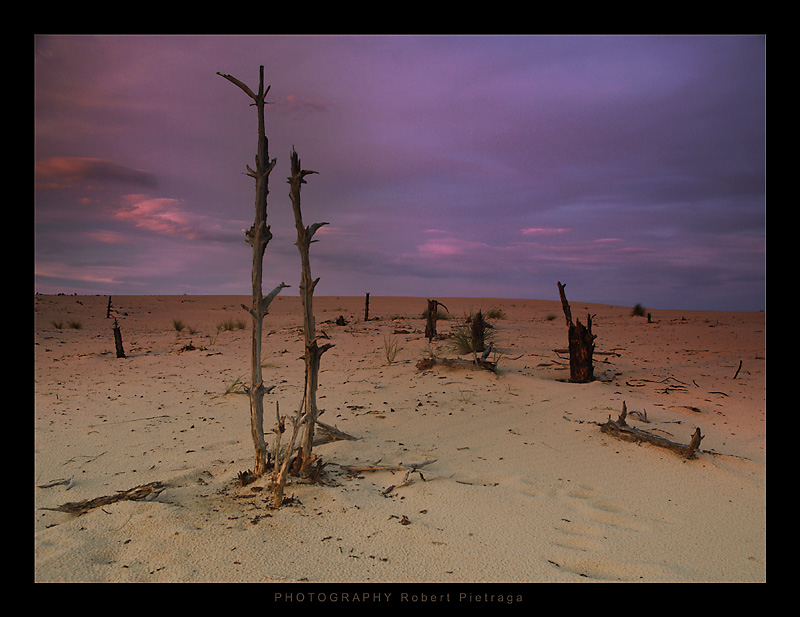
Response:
column 145, row 492
column 478, row 332
column 366, row 308
column 581, row 344
column 118, row 340
column 258, row 236
column 313, row 351
column 620, row 429
column 430, row 323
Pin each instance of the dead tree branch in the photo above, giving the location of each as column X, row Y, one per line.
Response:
column 620, row 429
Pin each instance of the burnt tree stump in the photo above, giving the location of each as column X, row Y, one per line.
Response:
column 581, row 344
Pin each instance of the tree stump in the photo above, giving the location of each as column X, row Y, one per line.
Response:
column 118, row 340
column 478, row 332
column 430, row 324
column 581, row 344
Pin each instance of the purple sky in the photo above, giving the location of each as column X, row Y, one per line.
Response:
column 631, row 168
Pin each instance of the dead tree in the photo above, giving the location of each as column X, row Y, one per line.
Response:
column 366, row 307
column 430, row 324
column 581, row 344
column 313, row 351
column 258, row 236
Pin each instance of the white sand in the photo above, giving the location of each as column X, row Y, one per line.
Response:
column 525, row 487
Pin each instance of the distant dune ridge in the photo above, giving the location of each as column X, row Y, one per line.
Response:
column 519, row 482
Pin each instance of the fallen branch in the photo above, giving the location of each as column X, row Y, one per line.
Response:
column 408, row 468
column 621, row 430
column 456, row 363
column 330, row 433
column 146, row 492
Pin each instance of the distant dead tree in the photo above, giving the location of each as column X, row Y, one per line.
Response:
column 258, row 236
column 581, row 344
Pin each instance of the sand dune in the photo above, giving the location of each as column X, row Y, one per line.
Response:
column 524, row 488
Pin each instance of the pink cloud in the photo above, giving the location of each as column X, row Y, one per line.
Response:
column 544, row 231
column 450, row 247
column 73, row 169
column 160, row 215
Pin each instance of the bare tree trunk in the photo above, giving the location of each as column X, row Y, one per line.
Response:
column 366, row 308
column 118, row 340
column 258, row 236
column 581, row 344
column 430, row 324
column 313, row 351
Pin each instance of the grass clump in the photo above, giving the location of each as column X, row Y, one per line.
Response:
column 231, row 324
column 75, row 325
column 472, row 335
column 391, row 347
column 178, row 325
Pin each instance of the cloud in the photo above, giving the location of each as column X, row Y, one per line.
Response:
column 160, row 215
column 60, row 169
column 544, row 231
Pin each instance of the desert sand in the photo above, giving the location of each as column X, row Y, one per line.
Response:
column 525, row 488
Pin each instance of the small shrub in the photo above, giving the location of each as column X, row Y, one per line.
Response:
column 178, row 325
column 550, row 317
column 638, row 311
column 495, row 314
column 390, row 347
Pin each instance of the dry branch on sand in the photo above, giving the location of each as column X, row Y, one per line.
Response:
column 143, row 492
column 409, row 468
column 620, row 429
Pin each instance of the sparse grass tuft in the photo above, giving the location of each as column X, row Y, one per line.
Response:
column 230, row 324
column 75, row 325
column 178, row 325
column 495, row 314
column 391, row 347
column 58, row 325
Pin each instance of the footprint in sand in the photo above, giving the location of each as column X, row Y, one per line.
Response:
column 588, row 532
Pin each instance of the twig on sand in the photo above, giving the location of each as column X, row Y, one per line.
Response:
column 143, row 492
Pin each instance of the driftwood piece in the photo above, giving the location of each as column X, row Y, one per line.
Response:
column 620, row 429
column 409, row 468
column 328, row 433
column 143, row 492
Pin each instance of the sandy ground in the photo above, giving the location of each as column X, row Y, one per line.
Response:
column 525, row 487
